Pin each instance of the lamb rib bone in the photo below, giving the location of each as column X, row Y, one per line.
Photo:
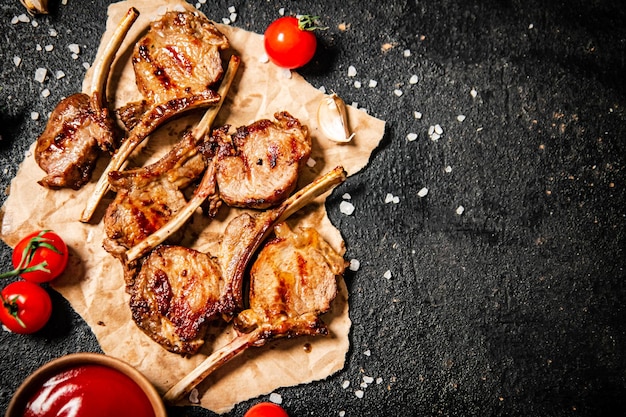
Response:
column 80, row 125
column 257, row 336
column 206, row 184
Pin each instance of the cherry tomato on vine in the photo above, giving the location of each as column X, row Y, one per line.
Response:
column 290, row 41
column 266, row 409
column 26, row 307
column 39, row 257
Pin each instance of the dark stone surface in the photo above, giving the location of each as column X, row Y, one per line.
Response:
column 513, row 308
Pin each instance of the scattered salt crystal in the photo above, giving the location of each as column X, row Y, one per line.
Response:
column 438, row 129
column 311, row 162
column 387, row 274
column 531, row 26
column 448, row 169
column 460, row 210
column 379, row 380
column 64, row 2
column 345, row 384
column 411, row 137
column 74, row 56
column 17, row 61
column 231, row 9
column 460, row 117
column 322, row 89
column 435, row 137
column 422, row 192
column 52, row 32
column 363, row 385
column 86, row 65
column 417, row 114
column 45, row 92
column 15, row 20
column 351, row 71
column 35, row 23
column 285, row 73
column 388, row 198
column 193, row 396
column 355, row 264
column 406, row 53
column 473, row 93
column 397, row 92
column 373, row 83
column 281, row 11
column 225, row 20
column 342, row 413
column 49, row 48
column 368, row 379
column 74, row 48
column 357, row 84
column 346, row 208
column 276, row 398
column 355, row 104
column 346, row 196
column 198, row 5
column 359, row 393
column 40, row 74
column 413, row 79
column 233, row 17
column 59, row 74
column 38, row 47
column 23, row 18
column 34, row 115
column 368, row 352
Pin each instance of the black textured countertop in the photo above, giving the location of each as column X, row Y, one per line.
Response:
column 506, row 283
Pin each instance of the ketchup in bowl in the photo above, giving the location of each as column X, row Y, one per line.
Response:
column 88, row 391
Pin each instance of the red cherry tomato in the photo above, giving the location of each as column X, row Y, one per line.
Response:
column 26, row 307
column 290, row 42
column 266, row 410
column 40, row 256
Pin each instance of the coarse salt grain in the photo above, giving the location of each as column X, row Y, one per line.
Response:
column 233, row 17
column 48, row 48
column 368, row 379
column 74, row 56
column 322, row 89
column 34, row 115
column 417, row 114
column 460, row 117
column 52, row 32
column 368, row 353
column 354, row 265
column 59, row 74
column 406, row 53
column 225, row 20
column 357, row 84
column 35, row 23
column 40, row 74
column 17, row 61
column 438, row 129
column 342, row 413
column 359, row 393
column 281, row 11
column 387, row 274
column 45, row 92
column 74, row 48
column 311, row 162
column 194, row 398
column 231, row 9
column 38, row 47
column 285, row 73
column 422, row 192
column 363, row 385
column 460, row 210
column 413, row 79
column 372, row 83
column 397, row 92
column 351, row 71
column 23, row 18
column 379, row 380
column 345, row 384
column 448, row 169
column 411, row 137
column 346, row 208
column 473, row 93
column 276, row 398
column 346, row 196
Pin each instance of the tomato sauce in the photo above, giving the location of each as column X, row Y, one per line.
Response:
column 89, row 391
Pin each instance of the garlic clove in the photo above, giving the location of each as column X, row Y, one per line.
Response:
column 36, row 6
column 333, row 119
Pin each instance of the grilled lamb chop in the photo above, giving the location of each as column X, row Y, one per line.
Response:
column 258, row 165
column 176, row 65
column 80, row 126
column 292, row 282
column 159, row 283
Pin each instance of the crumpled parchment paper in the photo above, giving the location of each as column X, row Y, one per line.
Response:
column 93, row 282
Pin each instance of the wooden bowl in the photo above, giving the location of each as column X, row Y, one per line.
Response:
column 120, row 370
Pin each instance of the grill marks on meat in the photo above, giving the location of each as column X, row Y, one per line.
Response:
column 174, row 295
column 68, row 148
column 292, row 282
column 80, row 126
column 178, row 57
column 258, row 165
column 148, row 197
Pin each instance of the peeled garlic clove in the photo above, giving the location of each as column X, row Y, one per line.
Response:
column 36, row 6
column 333, row 119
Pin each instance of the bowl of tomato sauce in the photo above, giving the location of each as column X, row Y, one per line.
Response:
column 86, row 385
